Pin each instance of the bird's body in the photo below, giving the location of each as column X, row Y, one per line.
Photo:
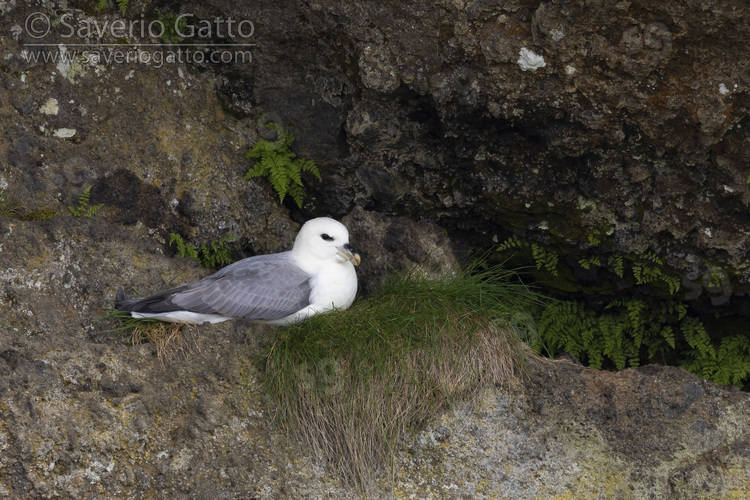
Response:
column 316, row 276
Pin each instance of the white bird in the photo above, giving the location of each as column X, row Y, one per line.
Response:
column 317, row 275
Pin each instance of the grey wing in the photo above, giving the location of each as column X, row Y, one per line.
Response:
column 265, row 287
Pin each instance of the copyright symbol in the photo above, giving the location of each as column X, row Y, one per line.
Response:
column 37, row 25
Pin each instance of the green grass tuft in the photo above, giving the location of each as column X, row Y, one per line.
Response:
column 351, row 383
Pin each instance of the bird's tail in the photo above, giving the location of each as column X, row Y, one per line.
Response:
column 123, row 301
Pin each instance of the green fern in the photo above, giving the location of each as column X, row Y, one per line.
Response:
column 650, row 269
column 667, row 334
column 730, row 365
column 122, row 5
column 184, row 249
column 630, row 332
column 590, row 261
column 171, row 27
column 595, row 237
column 215, row 254
column 83, row 209
column 733, row 359
column 673, row 282
column 544, row 258
column 697, row 337
column 635, row 310
column 633, row 332
column 277, row 162
column 512, row 242
column 617, row 265
column 714, row 279
column 651, row 256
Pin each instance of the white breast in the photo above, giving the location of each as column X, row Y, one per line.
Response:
column 333, row 285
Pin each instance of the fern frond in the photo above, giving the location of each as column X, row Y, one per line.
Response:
column 280, row 165
column 681, row 310
column 257, row 150
column 295, row 174
column 286, row 138
column 635, row 313
column 617, row 266
column 512, row 242
column 596, row 354
column 214, row 254
column 184, row 249
column 310, row 167
column 651, row 256
column 297, row 193
column 673, row 282
column 590, row 261
column 697, row 337
column 667, row 334
column 278, row 175
column 613, row 340
column 637, row 273
column 258, row 170
column 122, row 5
column 84, row 209
column 734, row 361
column 544, row 258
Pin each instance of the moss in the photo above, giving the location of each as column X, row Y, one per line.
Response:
column 16, row 210
column 41, row 214
column 229, row 109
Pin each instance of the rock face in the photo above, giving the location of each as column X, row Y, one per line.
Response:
column 551, row 120
column 83, row 419
column 654, row 432
column 436, row 126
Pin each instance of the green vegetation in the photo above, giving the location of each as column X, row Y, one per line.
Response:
column 615, row 332
column 351, row 383
column 544, row 258
column 728, row 365
column 646, row 268
column 122, row 5
column 651, row 269
column 84, row 209
column 277, row 162
column 617, row 265
column 215, row 254
column 14, row 209
column 634, row 332
column 171, row 29
column 627, row 333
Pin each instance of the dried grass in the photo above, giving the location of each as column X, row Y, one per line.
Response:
column 168, row 339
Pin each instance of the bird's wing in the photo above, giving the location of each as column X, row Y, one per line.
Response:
column 265, row 287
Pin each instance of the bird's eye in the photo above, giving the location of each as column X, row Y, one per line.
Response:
column 326, row 237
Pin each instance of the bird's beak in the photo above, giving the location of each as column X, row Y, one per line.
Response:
column 346, row 252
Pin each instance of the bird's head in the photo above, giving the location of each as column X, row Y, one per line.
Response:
column 325, row 240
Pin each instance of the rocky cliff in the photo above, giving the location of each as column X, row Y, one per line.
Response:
column 436, row 127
